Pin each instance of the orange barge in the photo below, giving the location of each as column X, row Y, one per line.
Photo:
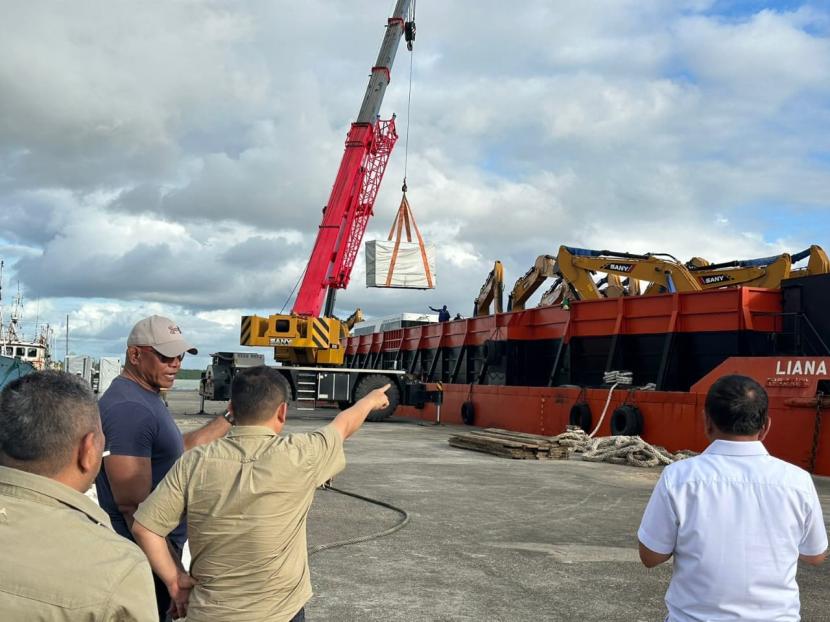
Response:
column 540, row 369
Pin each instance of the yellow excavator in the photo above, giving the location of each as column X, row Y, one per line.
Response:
column 767, row 272
column 577, row 267
column 492, row 292
column 354, row 318
column 543, row 268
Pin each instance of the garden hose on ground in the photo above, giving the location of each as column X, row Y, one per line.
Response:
column 333, row 545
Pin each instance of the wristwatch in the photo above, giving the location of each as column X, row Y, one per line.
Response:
column 228, row 417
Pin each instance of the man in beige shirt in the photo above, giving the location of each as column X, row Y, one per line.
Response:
column 61, row 559
column 246, row 498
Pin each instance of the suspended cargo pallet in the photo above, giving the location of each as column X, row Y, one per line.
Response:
column 396, row 263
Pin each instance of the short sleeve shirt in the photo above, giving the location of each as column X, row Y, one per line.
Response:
column 137, row 423
column 61, row 560
column 246, row 497
column 736, row 520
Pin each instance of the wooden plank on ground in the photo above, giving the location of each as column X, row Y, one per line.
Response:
column 525, row 435
column 509, row 444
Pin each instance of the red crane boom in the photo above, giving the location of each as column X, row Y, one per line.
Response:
column 368, row 146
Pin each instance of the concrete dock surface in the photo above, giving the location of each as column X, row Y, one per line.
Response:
column 489, row 538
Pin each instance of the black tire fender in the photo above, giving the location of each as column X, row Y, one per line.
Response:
column 369, row 383
column 581, row 416
column 468, row 413
column 627, row 420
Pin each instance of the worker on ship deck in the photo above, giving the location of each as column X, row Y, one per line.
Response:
column 443, row 313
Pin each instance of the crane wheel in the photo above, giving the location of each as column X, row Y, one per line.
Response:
column 371, row 382
column 581, row 416
column 627, row 420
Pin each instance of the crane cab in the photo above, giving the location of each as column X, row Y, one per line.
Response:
column 296, row 339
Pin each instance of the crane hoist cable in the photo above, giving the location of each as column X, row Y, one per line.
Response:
column 409, row 36
column 293, row 289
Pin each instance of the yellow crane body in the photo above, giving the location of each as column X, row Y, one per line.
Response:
column 296, row 339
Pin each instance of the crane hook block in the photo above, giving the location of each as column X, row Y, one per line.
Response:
column 409, row 34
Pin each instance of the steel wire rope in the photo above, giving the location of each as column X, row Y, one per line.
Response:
column 293, row 289
column 366, row 538
column 408, row 106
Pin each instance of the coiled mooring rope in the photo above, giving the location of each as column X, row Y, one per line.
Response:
column 630, row 450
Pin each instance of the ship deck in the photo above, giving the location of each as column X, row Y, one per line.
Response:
column 489, row 538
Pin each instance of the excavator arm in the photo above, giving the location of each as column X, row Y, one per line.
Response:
column 762, row 272
column 765, row 272
column 577, row 267
column 492, row 292
column 543, row 268
column 818, row 263
column 353, row 319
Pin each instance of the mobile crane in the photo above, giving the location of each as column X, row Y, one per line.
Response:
column 306, row 341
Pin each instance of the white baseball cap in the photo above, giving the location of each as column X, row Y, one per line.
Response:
column 162, row 334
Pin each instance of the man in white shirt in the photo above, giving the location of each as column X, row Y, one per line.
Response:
column 735, row 519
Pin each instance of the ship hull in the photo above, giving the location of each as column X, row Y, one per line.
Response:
column 527, row 370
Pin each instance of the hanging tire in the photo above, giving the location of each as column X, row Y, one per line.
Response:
column 468, row 413
column 581, row 416
column 371, row 382
column 627, row 420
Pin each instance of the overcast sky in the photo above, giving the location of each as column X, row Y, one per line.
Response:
column 173, row 156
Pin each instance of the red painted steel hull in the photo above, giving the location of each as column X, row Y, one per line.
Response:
column 672, row 419
column 694, row 333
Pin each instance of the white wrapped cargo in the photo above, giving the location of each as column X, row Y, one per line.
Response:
column 109, row 368
column 404, row 268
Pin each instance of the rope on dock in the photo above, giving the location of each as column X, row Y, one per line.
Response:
column 629, row 450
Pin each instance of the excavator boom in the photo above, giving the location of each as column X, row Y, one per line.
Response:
column 543, row 268
column 577, row 266
column 765, row 272
column 492, row 292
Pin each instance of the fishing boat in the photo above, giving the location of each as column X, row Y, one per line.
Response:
column 36, row 350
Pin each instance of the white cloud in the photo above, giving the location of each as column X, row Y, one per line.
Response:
column 174, row 157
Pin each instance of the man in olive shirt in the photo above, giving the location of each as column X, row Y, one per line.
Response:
column 61, row 559
column 246, row 498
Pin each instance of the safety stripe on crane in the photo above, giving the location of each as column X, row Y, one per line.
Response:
column 245, row 333
column 320, row 332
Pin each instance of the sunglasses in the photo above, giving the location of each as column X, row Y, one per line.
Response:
column 164, row 359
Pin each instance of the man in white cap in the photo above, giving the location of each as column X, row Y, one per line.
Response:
column 142, row 437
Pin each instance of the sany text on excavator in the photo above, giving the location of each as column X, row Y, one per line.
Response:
column 767, row 272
